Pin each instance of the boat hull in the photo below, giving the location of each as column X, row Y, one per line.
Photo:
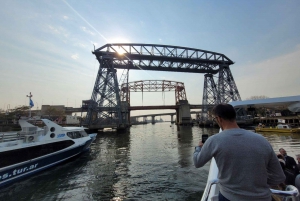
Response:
column 13, row 173
column 278, row 130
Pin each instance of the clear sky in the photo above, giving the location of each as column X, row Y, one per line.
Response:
column 46, row 45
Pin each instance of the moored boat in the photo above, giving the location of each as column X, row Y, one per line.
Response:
column 34, row 149
column 280, row 128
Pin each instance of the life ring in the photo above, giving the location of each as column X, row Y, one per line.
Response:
column 30, row 138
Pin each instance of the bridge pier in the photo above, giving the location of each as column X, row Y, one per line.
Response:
column 172, row 120
column 153, row 119
column 145, row 119
column 184, row 113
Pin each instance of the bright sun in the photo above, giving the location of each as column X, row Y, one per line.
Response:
column 119, row 40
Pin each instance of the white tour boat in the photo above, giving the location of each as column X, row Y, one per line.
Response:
column 34, row 149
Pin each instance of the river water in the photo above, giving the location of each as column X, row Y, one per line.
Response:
column 150, row 162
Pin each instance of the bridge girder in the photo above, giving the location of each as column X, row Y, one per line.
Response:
column 161, row 58
column 153, row 86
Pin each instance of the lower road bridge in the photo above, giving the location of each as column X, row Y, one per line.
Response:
column 131, row 108
column 172, row 114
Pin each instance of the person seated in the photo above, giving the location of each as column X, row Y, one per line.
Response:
column 290, row 176
column 290, row 162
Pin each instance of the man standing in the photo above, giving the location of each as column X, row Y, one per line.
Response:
column 247, row 164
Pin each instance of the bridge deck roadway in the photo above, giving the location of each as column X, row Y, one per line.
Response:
column 149, row 107
column 154, row 107
column 161, row 114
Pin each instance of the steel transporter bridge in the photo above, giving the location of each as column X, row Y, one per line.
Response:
column 109, row 105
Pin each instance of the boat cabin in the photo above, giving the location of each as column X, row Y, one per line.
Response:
column 283, row 126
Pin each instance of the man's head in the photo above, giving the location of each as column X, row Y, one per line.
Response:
column 223, row 113
column 282, row 151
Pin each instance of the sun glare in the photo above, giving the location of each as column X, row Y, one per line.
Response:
column 120, row 50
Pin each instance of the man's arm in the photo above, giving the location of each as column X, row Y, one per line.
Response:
column 202, row 153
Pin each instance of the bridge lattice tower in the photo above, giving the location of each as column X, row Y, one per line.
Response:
column 227, row 89
column 210, row 94
column 104, row 106
column 223, row 92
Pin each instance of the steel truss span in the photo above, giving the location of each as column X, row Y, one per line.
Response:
column 153, row 86
column 161, row 58
column 110, row 100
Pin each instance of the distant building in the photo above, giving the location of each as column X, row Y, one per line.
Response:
column 45, row 108
column 72, row 119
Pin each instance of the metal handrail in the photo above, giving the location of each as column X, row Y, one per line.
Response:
column 4, row 137
column 290, row 194
column 210, row 183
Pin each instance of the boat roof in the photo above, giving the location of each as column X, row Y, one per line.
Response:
column 280, row 102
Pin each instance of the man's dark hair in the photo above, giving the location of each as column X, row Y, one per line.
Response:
column 225, row 111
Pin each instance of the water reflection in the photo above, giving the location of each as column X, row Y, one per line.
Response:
column 185, row 139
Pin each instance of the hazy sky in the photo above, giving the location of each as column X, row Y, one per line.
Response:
column 46, row 45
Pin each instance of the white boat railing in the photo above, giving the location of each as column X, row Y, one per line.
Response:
column 20, row 135
column 207, row 193
column 4, row 137
column 290, row 194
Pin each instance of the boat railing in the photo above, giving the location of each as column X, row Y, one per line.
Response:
column 207, row 191
column 21, row 135
column 291, row 193
column 5, row 137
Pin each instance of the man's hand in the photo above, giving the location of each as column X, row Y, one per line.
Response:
column 200, row 143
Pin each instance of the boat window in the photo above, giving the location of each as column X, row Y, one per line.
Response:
column 77, row 134
column 52, row 129
column 9, row 157
column 74, row 135
column 70, row 134
column 284, row 126
column 83, row 133
column 52, row 135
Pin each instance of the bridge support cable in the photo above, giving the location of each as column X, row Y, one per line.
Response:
column 123, row 84
column 210, row 94
column 125, row 95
